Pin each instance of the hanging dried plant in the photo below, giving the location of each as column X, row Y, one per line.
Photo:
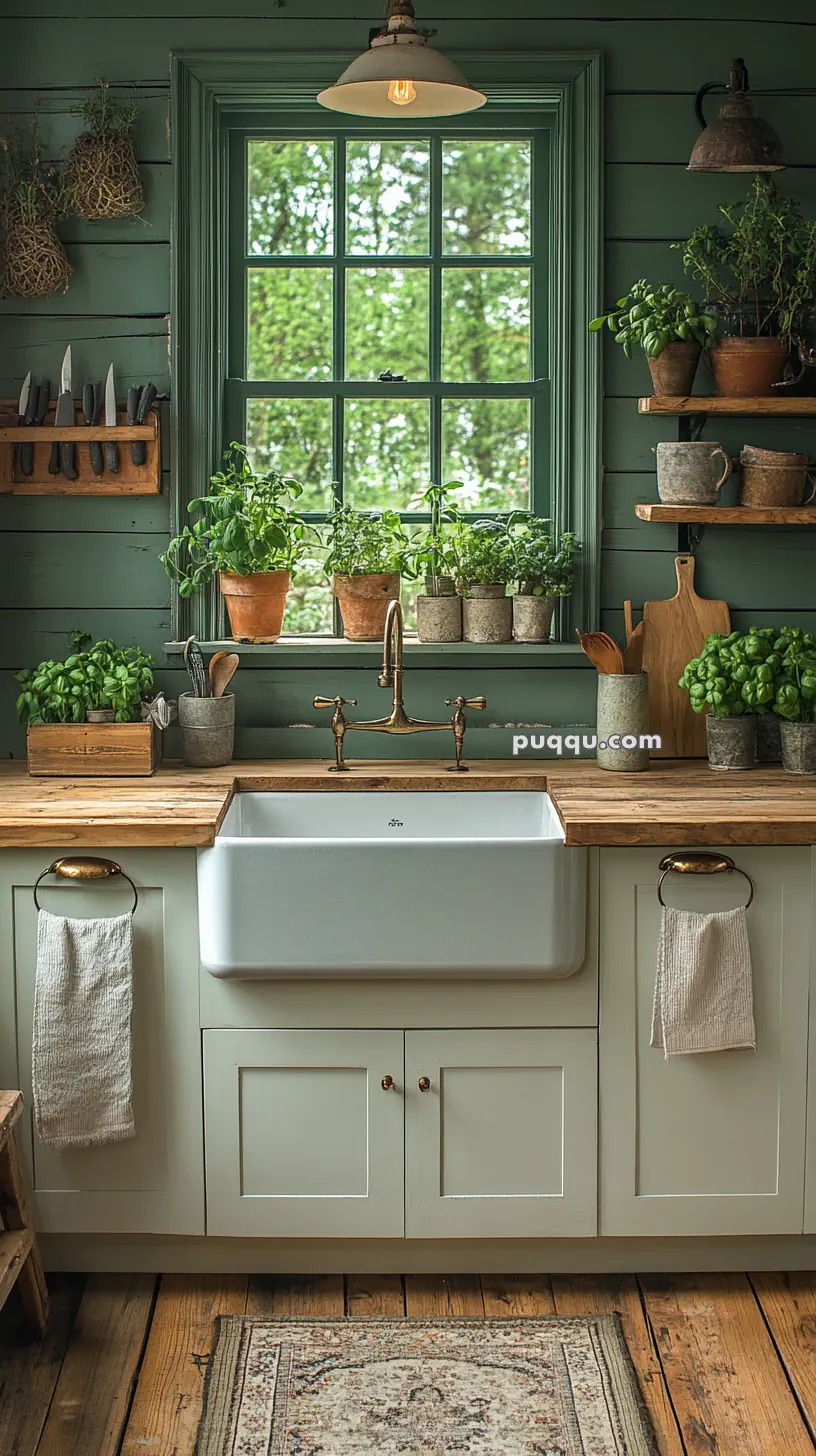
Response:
column 34, row 263
column 101, row 172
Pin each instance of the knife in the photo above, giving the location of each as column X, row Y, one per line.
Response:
column 111, row 449
column 138, row 450
column 23, row 406
column 91, row 410
column 65, row 416
column 43, row 394
column 132, row 411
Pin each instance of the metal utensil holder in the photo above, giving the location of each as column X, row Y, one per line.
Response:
column 87, row 867
column 700, row 862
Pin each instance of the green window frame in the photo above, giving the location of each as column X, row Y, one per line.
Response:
column 219, row 104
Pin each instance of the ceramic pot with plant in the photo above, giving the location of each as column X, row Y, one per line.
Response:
column 668, row 325
column 484, row 557
column 32, row 198
column 367, row 551
column 248, row 535
column 758, row 270
column 93, row 679
column 733, row 678
column 100, row 170
column 795, row 701
column 433, row 557
column 543, row 570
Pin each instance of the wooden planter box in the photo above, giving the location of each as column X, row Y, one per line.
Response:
column 66, row 750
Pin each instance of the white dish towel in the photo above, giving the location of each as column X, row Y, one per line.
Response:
column 81, row 1057
column 703, row 992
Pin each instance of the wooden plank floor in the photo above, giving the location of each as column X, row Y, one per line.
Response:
column 726, row 1362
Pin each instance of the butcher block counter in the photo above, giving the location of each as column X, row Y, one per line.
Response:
column 675, row 802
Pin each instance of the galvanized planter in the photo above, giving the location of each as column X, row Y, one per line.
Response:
column 487, row 614
column 731, row 742
column 439, row 619
column 532, row 618
column 799, row 747
column 768, row 738
column 207, row 730
column 623, row 718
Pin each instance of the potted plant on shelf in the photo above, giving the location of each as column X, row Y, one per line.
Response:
column 759, row 273
column 433, row 556
column 100, row 169
column 367, row 551
column 543, row 570
column 247, row 534
column 484, row 566
column 795, row 700
column 669, row 326
column 727, row 681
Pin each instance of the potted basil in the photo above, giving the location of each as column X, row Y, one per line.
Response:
column 543, row 569
column 670, row 328
column 433, row 556
column 725, row 682
column 247, row 534
column 367, row 551
column 795, row 700
column 484, row 566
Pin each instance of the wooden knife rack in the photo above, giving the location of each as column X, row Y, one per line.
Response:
column 130, row 479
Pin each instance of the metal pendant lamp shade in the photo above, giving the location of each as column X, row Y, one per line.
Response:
column 739, row 140
column 400, row 76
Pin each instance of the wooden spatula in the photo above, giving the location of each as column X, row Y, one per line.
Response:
column 633, row 651
column 602, row 650
column 223, row 672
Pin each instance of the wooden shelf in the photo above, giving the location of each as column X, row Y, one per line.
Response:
column 729, row 515
column 703, row 404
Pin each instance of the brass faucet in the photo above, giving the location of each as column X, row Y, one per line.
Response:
column 398, row 720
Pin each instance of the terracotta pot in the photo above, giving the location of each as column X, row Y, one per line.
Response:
column 748, row 367
column 255, row 604
column 364, row 603
column 673, row 371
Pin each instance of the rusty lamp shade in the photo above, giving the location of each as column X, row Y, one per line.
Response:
column 739, row 140
column 399, row 76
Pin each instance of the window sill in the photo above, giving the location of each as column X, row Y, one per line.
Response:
column 306, row 652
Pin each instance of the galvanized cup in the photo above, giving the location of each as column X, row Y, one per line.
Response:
column 207, row 730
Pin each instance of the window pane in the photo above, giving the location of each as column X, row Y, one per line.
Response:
column 290, row 199
column 388, row 197
column 387, row 451
column 486, row 445
column 387, row 322
column 485, row 324
column 289, row 323
column 486, row 197
column 309, row 603
column 294, row 436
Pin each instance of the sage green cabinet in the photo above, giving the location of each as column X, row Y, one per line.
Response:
column 153, row 1183
column 712, row 1143
column 502, row 1143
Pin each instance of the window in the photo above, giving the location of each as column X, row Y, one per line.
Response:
column 415, row 256
column 381, row 307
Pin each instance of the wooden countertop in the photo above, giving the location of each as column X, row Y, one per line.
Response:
column 674, row 803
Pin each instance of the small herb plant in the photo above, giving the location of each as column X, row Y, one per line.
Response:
column 364, row 543
column 735, row 674
column 246, row 526
column 99, row 676
column 543, row 566
column 484, row 554
column 760, row 266
column 655, row 315
column 32, row 190
column 103, row 115
column 433, row 551
column 795, row 697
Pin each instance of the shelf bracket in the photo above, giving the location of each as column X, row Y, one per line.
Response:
column 689, row 537
column 691, row 426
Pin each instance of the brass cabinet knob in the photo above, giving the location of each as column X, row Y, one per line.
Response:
column 387, row 1083
column 424, row 1084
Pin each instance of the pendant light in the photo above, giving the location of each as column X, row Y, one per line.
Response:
column 739, row 140
column 400, row 76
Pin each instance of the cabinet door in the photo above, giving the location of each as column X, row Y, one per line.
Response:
column 711, row 1143
column 503, row 1141
column 301, row 1137
column 153, row 1183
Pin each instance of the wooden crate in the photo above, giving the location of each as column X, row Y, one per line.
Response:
column 66, row 750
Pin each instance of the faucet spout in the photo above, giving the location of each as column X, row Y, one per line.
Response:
column 392, row 651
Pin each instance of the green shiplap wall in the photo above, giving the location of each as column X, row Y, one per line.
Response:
column 68, row 563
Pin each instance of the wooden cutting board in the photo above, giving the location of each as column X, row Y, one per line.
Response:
column 674, row 632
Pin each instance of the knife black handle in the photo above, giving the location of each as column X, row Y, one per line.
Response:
column 54, row 462
column 68, row 459
column 112, row 457
column 138, row 453
column 90, row 409
column 132, row 411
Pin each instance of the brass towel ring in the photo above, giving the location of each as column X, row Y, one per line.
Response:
column 88, row 867
column 699, row 862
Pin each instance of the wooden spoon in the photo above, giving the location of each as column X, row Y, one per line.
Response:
column 224, row 672
column 602, row 651
column 633, row 651
column 216, row 658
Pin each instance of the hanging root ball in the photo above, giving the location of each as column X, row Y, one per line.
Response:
column 34, row 260
column 103, row 178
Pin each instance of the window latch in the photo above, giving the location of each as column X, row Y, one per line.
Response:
column 388, row 378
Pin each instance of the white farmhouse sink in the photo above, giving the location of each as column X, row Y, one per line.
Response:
column 444, row 884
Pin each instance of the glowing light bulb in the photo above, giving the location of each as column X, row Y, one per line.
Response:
column 402, row 93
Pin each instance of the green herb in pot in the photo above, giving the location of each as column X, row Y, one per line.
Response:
column 99, row 676
column 543, row 565
column 484, row 554
column 654, row 315
column 366, row 543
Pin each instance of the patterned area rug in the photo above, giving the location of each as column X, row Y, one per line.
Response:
column 558, row 1386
